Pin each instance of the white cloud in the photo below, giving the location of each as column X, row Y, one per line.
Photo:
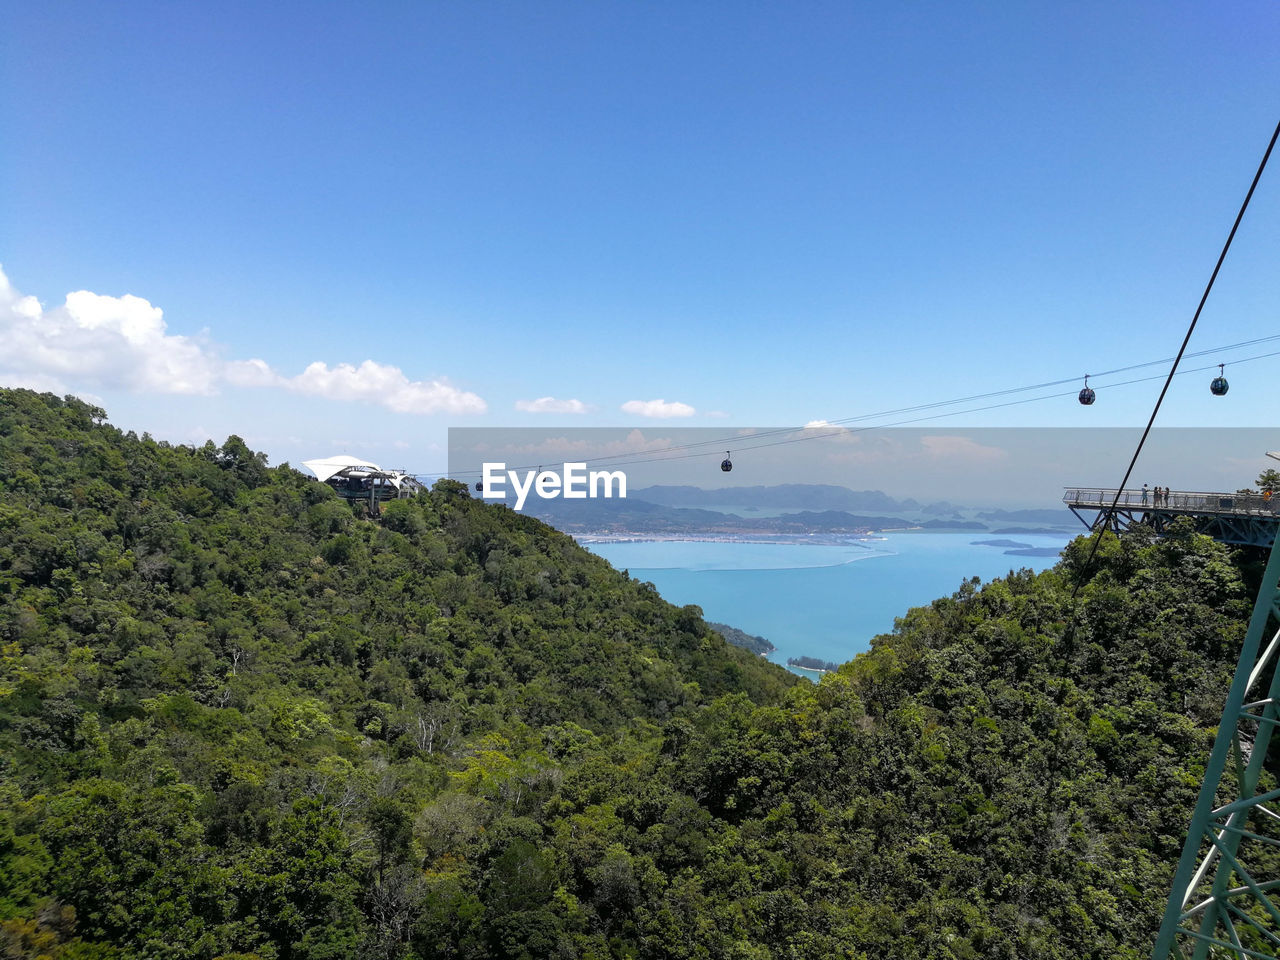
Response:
column 551, row 405
column 658, row 408
column 251, row 373
column 371, row 382
column 196, row 436
column 930, row 451
column 385, row 385
column 100, row 341
column 875, row 450
column 717, row 414
column 580, row 449
column 961, row 449
column 827, row 430
column 39, row 382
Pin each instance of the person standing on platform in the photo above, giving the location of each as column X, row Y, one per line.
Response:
column 1144, row 494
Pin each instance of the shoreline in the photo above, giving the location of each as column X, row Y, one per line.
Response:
column 813, row 539
column 807, row 566
column 813, row 674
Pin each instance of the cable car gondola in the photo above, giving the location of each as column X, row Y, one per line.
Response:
column 726, row 464
column 1219, row 386
column 1087, row 396
column 479, row 487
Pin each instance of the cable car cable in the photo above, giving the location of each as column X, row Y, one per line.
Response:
column 658, row 452
column 942, row 403
column 744, row 441
column 661, row 454
column 1133, row 462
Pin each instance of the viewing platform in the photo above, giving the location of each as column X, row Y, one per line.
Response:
column 1242, row 519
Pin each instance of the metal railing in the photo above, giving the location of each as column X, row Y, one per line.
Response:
column 1183, row 501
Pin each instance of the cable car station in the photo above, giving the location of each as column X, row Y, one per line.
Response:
column 355, row 479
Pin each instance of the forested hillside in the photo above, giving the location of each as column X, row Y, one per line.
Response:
column 238, row 720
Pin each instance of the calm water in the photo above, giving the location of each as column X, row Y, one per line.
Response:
column 818, row 600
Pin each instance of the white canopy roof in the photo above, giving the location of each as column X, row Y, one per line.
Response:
column 329, row 466
column 355, row 467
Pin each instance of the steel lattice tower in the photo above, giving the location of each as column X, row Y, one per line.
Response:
column 1222, row 903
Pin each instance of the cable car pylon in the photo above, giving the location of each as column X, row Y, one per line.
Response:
column 1222, row 905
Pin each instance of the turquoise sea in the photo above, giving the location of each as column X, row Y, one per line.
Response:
column 819, row 600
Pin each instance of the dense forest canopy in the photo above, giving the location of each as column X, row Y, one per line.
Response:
column 240, row 720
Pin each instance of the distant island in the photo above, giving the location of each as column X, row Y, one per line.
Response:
column 811, row 663
column 1034, row 531
column 1051, row 515
column 787, row 496
column 1016, row 548
column 740, row 638
column 1034, row 552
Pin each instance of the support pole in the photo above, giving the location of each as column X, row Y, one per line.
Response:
column 1236, row 902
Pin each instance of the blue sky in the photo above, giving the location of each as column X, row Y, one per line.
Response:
column 766, row 213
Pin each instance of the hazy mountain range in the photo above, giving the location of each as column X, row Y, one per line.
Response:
column 793, row 509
